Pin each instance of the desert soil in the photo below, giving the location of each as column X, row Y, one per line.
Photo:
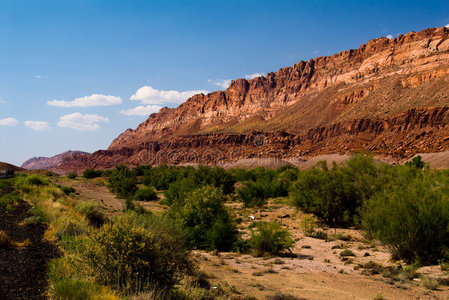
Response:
column 314, row 270
column 23, row 270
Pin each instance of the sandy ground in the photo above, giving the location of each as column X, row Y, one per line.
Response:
column 315, row 270
column 95, row 190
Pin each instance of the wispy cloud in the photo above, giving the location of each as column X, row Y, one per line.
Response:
column 389, row 36
column 254, row 75
column 152, row 96
column 40, row 76
column 87, row 101
column 315, row 52
column 447, row 26
column 223, row 83
column 2, row 101
column 141, row 110
column 81, row 122
column 37, row 125
column 11, row 122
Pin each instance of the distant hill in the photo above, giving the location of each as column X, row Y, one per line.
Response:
column 45, row 163
column 6, row 167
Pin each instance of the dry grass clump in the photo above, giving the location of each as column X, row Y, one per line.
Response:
column 5, row 241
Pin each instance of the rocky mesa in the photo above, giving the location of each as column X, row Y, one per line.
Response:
column 389, row 97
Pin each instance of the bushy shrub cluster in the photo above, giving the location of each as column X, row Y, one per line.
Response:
column 261, row 184
column 136, row 253
column 122, row 182
column 206, row 222
column 270, row 237
column 67, row 189
column 92, row 173
column 161, row 177
column 336, row 195
column 146, row 194
column 410, row 214
column 72, row 175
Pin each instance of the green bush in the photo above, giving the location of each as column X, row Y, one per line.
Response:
column 162, row 176
column 411, row 214
column 252, row 194
column 72, row 175
column 416, row 162
column 145, row 194
column 36, row 180
column 137, row 253
column 92, row 173
column 216, row 177
column 270, row 237
column 92, row 212
column 178, row 191
column 67, row 189
column 336, row 195
column 122, row 182
column 205, row 220
column 10, row 201
column 141, row 170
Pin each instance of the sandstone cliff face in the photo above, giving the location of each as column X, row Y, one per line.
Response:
column 389, row 97
column 415, row 58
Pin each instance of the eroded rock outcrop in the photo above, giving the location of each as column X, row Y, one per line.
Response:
column 389, row 96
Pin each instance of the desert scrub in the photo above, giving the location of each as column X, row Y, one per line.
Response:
column 346, row 252
column 122, row 182
column 92, row 211
column 10, row 201
column 92, row 173
column 429, row 283
column 411, row 214
column 269, row 237
column 146, row 194
column 135, row 253
column 72, row 175
column 205, row 220
column 36, row 180
column 67, row 189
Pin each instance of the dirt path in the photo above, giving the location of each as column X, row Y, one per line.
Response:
column 23, row 270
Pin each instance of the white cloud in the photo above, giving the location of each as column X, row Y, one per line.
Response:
column 149, row 95
column 224, row 84
column 92, row 100
column 81, row 122
column 40, row 76
column 389, row 36
column 254, row 75
column 2, row 101
column 11, row 122
column 37, row 125
column 141, row 110
column 447, row 26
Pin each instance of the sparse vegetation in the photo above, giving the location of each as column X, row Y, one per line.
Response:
column 269, row 237
column 146, row 194
column 205, row 220
column 92, row 173
column 72, row 175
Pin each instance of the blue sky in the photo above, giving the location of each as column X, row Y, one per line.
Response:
column 75, row 74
